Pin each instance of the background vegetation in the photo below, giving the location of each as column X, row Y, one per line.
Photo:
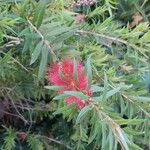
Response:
column 111, row 37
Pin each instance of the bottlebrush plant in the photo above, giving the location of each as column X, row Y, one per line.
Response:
column 74, row 74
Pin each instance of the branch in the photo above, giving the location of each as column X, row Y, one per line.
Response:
column 115, row 128
column 55, row 141
column 12, row 41
column 132, row 101
column 14, row 38
column 11, row 114
column 145, row 1
column 141, row 109
column 113, row 39
column 13, row 104
column 129, row 99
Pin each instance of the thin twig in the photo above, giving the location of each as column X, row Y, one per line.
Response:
column 55, row 141
column 132, row 101
column 33, row 109
column 14, row 115
column 145, row 1
column 21, row 116
column 12, row 41
column 141, row 109
column 21, row 65
column 5, row 112
column 16, row 61
column 115, row 128
column 30, row 114
column 43, row 107
column 14, row 38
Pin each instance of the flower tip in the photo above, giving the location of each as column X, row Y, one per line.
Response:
column 89, row 93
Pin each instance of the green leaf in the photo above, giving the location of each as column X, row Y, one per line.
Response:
column 43, row 62
column 58, row 31
column 104, row 96
column 71, row 93
column 89, row 71
column 82, row 113
column 133, row 132
column 107, row 94
column 111, row 140
column 112, row 92
column 76, row 94
column 7, row 57
column 9, row 141
column 36, row 52
column 124, row 140
column 34, row 143
column 60, row 97
column 39, row 14
column 129, row 121
column 96, row 130
column 96, row 88
column 140, row 98
column 63, row 36
column 54, row 88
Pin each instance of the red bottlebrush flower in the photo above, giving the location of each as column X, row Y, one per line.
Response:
column 89, row 93
column 63, row 74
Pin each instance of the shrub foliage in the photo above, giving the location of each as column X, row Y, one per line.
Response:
column 111, row 41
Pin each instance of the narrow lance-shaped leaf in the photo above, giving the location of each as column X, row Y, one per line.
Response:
column 54, row 88
column 60, row 97
column 89, row 71
column 96, row 130
column 140, row 98
column 43, row 62
column 112, row 92
column 82, row 113
column 111, row 140
column 36, row 52
column 76, row 94
column 59, row 31
column 39, row 14
column 71, row 93
column 63, row 36
column 104, row 96
column 96, row 88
